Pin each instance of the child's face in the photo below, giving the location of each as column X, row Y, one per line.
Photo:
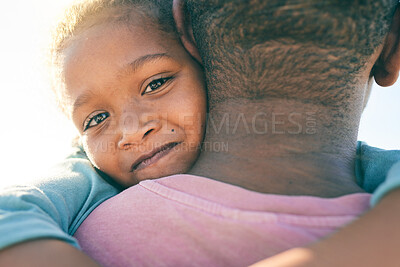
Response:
column 138, row 100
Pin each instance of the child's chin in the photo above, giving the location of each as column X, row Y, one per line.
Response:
column 157, row 174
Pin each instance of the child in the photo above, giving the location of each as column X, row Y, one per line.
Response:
column 139, row 105
column 140, row 108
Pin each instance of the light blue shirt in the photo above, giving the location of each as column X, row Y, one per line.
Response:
column 392, row 182
column 377, row 170
column 54, row 206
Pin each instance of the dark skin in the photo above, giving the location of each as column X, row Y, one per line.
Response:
column 44, row 252
column 356, row 235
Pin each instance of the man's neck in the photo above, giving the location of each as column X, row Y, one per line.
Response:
column 263, row 147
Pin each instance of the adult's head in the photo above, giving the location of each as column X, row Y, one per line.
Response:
column 297, row 62
column 322, row 42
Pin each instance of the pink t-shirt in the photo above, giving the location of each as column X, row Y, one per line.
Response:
column 186, row 220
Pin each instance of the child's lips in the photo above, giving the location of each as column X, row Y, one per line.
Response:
column 153, row 156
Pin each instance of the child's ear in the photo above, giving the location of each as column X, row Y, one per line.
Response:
column 387, row 67
column 184, row 27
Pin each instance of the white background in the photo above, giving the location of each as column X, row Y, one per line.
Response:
column 34, row 134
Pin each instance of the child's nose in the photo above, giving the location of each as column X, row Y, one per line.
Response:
column 134, row 132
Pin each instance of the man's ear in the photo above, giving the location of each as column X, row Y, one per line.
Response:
column 386, row 69
column 184, row 27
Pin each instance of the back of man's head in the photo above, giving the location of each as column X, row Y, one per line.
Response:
column 309, row 50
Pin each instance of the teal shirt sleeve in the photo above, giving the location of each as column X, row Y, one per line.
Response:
column 392, row 182
column 377, row 170
column 53, row 206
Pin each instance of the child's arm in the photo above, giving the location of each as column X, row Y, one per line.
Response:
column 372, row 167
column 43, row 253
column 391, row 183
column 53, row 207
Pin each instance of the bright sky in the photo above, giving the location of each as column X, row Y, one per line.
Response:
column 34, row 135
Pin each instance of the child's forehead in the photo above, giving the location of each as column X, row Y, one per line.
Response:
column 134, row 24
column 100, row 55
column 115, row 38
column 110, row 44
column 130, row 18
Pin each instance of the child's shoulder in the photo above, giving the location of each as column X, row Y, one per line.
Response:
column 373, row 165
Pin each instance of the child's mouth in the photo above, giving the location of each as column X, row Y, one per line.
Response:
column 152, row 157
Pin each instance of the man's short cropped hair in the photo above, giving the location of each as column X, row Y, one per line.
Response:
column 303, row 49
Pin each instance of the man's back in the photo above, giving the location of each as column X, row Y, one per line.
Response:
column 207, row 223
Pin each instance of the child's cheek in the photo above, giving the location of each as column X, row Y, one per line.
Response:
column 98, row 150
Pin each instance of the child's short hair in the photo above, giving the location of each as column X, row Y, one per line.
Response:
column 84, row 14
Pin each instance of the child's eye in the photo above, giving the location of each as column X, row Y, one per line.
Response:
column 155, row 84
column 95, row 119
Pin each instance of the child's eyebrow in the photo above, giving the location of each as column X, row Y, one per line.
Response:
column 139, row 62
column 82, row 100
